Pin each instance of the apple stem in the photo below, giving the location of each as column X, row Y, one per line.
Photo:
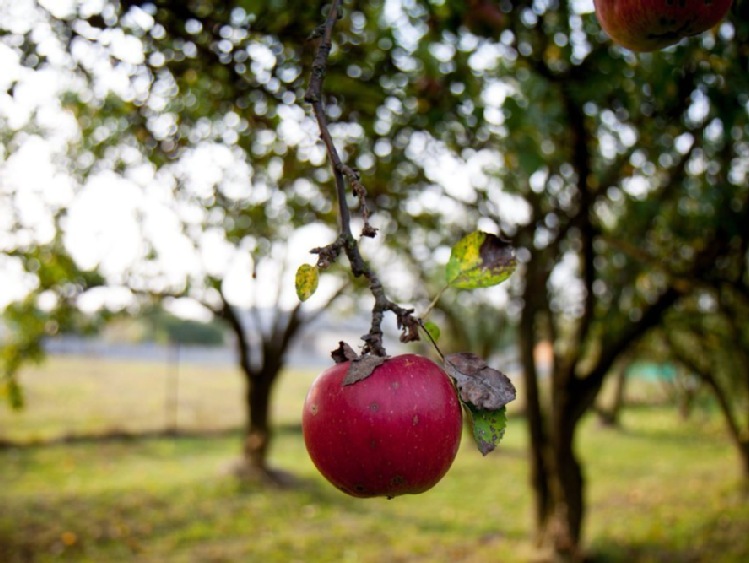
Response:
column 345, row 242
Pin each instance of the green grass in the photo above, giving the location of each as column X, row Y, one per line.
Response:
column 661, row 490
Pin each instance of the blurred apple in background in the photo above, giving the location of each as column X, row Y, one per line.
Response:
column 648, row 25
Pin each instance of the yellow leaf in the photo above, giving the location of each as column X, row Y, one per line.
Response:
column 306, row 281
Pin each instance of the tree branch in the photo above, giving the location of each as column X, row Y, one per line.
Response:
column 586, row 388
column 707, row 377
column 346, row 242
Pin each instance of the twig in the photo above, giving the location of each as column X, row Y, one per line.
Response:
column 346, row 243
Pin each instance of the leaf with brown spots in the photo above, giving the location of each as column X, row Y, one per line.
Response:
column 484, row 392
column 488, row 427
column 479, row 385
column 480, row 260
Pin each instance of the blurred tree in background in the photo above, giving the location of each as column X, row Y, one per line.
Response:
column 621, row 179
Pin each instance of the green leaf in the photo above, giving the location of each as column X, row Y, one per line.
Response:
column 306, row 281
column 488, row 427
column 480, row 260
column 433, row 330
column 483, row 391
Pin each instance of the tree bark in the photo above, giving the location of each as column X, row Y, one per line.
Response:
column 610, row 416
column 539, row 444
column 743, row 447
column 538, row 450
column 568, row 484
column 258, row 432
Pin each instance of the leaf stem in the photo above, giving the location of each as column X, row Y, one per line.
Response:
column 434, row 302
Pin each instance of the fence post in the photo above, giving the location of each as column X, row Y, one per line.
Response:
column 172, row 390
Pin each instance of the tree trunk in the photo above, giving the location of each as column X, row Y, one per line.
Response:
column 685, row 397
column 538, row 446
column 258, row 431
column 610, row 416
column 744, row 458
column 568, row 486
column 254, row 466
column 558, row 484
column 538, row 450
column 555, row 472
column 259, row 382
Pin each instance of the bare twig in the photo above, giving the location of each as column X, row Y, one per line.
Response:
column 346, row 243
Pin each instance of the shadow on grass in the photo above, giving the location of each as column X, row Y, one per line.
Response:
column 721, row 538
column 120, row 525
column 120, row 435
column 658, row 435
column 650, row 552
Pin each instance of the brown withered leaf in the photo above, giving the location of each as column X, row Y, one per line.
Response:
column 479, row 385
column 362, row 367
column 344, row 353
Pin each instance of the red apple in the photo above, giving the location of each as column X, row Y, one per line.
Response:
column 396, row 432
column 647, row 25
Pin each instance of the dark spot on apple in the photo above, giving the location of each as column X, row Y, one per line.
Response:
column 685, row 30
column 394, row 385
column 398, row 480
column 313, row 408
column 359, row 488
column 374, row 407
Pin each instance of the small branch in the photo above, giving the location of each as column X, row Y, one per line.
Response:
column 345, row 242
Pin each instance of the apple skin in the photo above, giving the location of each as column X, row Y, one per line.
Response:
column 649, row 25
column 396, row 432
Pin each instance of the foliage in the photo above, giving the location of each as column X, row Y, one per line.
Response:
column 163, row 325
column 708, row 337
column 49, row 310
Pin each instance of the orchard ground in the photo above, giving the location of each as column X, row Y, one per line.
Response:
column 661, row 489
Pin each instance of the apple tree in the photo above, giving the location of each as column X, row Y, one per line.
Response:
column 596, row 144
column 583, row 154
column 199, row 109
column 157, row 110
column 708, row 336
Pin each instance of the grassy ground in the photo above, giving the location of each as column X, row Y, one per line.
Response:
column 660, row 490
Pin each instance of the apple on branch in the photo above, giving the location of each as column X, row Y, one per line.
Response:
column 649, row 25
column 391, row 432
